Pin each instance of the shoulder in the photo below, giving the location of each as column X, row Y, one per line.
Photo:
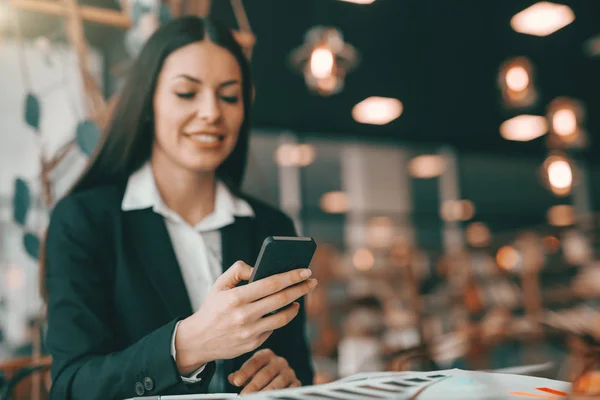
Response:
column 97, row 199
column 266, row 212
column 94, row 207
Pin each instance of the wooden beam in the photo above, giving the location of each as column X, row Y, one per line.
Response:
column 88, row 13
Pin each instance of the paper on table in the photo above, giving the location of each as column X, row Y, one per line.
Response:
column 446, row 384
column 483, row 385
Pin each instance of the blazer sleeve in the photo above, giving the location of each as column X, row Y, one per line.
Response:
column 290, row 341
column 85, row 361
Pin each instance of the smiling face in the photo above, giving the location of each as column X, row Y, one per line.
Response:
column 198, row 107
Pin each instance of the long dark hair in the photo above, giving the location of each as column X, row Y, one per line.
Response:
column 127, row 140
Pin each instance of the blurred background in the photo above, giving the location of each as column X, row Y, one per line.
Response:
column 442, row 153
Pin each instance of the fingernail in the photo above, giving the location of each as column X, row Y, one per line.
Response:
column 312, row 283
column 306, row 273
column 237, row 382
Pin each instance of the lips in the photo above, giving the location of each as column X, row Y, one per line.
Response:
column 207, row 140
column 206, row 136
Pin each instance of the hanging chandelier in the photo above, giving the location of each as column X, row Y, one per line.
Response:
column 324, row 59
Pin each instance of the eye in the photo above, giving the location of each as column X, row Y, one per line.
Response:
column 230, row 99
column 188, row 95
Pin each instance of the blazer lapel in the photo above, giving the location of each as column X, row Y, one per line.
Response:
column 151, row 242
column 238, row 242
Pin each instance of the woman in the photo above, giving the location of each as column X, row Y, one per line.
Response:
column 134, row 254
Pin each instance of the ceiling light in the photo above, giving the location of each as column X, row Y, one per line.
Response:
column 558, row 174
column 324, row 59
column 377, row 110
column 564, row 122
column 516, row 81
column 542, row 19
column 359, row 1
column 524, row 128
column 427, row 166
column 517, row 78
column 566, row 118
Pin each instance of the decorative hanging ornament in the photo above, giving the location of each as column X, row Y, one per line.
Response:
column 146, row 16
column 324, row 59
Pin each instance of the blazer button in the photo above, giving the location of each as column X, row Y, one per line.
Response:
column 139, row 389
column 148, row 384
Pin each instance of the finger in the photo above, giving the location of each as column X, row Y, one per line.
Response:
column 273, row 284
column 277, row 320
column 295, row 383
column 280, row 299
column 238, row 272
column 265, row 375
column 281, row 381
column 251, row 367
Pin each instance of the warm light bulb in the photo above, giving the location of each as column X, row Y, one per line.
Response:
column 321, row 62
column 517, row 78
column 564, row 122
column 559, row 174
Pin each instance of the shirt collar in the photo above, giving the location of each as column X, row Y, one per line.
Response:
column 141, row 193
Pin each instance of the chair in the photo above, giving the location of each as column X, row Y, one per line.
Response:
column 26, row 378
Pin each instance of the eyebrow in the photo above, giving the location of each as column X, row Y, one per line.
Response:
column 196, row 80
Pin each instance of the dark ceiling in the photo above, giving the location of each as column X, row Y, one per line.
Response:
column 440, row 58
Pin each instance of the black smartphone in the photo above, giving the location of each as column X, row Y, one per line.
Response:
column 281, row 254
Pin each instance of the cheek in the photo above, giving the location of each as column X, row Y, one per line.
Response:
column 234, row 122
column 168, row 121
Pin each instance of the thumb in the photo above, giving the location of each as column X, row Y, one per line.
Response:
column 238, row 272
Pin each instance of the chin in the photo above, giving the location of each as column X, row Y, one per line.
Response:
column 204, row 165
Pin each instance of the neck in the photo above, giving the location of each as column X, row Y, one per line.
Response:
column 190, row 194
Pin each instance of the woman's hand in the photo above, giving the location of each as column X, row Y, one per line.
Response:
column 233, row 320
column 264, row 371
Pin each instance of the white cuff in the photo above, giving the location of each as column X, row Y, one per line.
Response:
column 193, row 377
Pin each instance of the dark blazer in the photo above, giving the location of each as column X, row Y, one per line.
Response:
column 115, row 293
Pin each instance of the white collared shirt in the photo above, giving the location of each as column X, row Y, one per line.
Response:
column 197, row 248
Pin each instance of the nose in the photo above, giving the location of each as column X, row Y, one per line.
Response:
column 209, row 109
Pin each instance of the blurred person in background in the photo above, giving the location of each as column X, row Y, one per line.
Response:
column 32, row 332
column 360, row 348
column 143, row 258
column 4, row 350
